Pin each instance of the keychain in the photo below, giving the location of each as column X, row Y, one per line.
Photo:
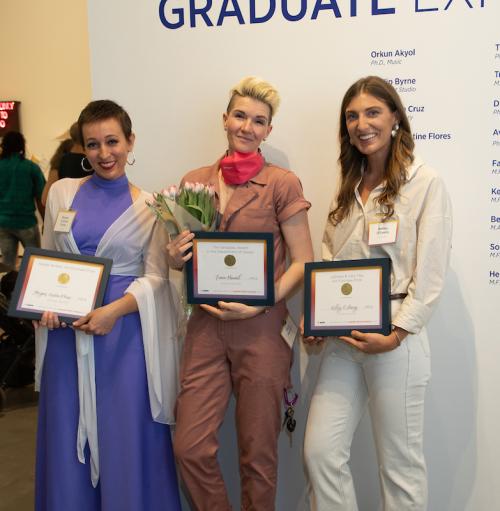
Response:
column 289, row 421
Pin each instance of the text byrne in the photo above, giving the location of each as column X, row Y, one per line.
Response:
column 201, row 10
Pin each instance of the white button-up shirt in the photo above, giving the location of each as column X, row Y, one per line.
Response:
column 420, row 255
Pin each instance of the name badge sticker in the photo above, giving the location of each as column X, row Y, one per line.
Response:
column 289, row 331
column 380, row 233
column 64, row 220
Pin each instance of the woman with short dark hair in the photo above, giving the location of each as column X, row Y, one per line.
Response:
column 108, row 384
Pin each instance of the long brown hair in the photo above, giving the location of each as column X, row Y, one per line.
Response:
column 351, row 160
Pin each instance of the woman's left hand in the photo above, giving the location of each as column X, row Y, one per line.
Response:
column 228, row 311
column 98, row 322
column 371, row 343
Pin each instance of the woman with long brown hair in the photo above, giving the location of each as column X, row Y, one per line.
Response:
column 381, row 182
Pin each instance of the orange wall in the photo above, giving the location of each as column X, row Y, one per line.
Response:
column 44, row 58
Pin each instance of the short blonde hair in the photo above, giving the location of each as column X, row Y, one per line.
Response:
column 256, row 88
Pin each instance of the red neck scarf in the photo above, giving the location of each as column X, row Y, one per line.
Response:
column 238, row 168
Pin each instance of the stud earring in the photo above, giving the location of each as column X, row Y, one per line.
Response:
column 395, row 130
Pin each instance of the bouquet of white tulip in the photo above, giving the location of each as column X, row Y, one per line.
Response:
column 191, row 207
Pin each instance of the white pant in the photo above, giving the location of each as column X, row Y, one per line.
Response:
column 393, row 385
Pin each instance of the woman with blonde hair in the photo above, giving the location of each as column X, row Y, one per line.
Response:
column 236, row 348
column 381, row 182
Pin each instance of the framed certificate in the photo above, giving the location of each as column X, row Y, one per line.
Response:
column 69, row 284
column 231, row 266
column 341, row 296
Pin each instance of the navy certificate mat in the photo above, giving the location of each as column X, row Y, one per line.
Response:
column 30, row 254
column 384, row 323
column 199, row 296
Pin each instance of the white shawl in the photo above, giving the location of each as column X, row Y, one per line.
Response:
column 136, row 245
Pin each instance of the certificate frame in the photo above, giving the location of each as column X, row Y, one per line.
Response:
column 31, row 266
column 382, row 318
column 262, row 241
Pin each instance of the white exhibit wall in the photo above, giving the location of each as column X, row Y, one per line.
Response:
column 444, row 58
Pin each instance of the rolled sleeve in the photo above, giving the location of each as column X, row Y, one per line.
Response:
column 289, row 197
column 434, row 231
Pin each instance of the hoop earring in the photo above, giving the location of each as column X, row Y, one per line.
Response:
column 395, row 130
column 82, row 164
column 133, row 158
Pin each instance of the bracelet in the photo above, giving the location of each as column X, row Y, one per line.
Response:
column 398, row 340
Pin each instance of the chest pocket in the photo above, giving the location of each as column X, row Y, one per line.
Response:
column 256, row 219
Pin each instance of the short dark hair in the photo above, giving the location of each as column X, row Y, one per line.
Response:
column 101, row 110
column 13, row 143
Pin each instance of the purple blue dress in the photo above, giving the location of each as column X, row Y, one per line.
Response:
column 137, row 468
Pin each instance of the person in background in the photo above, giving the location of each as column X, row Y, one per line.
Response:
column 108, row 384
column 21, row 186
column 236, row 348
column 71, row 162
column 67, row 161
column 382, row 182
column 54, row 164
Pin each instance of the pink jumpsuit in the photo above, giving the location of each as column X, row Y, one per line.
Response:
column 247, row 357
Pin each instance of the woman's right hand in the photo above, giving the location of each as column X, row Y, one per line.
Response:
column 50, row 320
column 176, row 250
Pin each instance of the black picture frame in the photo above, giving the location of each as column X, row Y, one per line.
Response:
column 384, row 324
column 16, row 306
column 198, row 296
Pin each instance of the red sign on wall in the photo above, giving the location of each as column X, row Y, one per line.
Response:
column 9, row 116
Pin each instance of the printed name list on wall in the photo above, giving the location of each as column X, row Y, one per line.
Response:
column 176, row 14
column 395, row 65
column 494, row 157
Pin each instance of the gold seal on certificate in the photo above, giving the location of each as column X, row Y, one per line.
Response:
column 341, row 296
column 230, row 260
column 63, row 278
column 231, row 266
column 70, row 285
column 346, row 289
